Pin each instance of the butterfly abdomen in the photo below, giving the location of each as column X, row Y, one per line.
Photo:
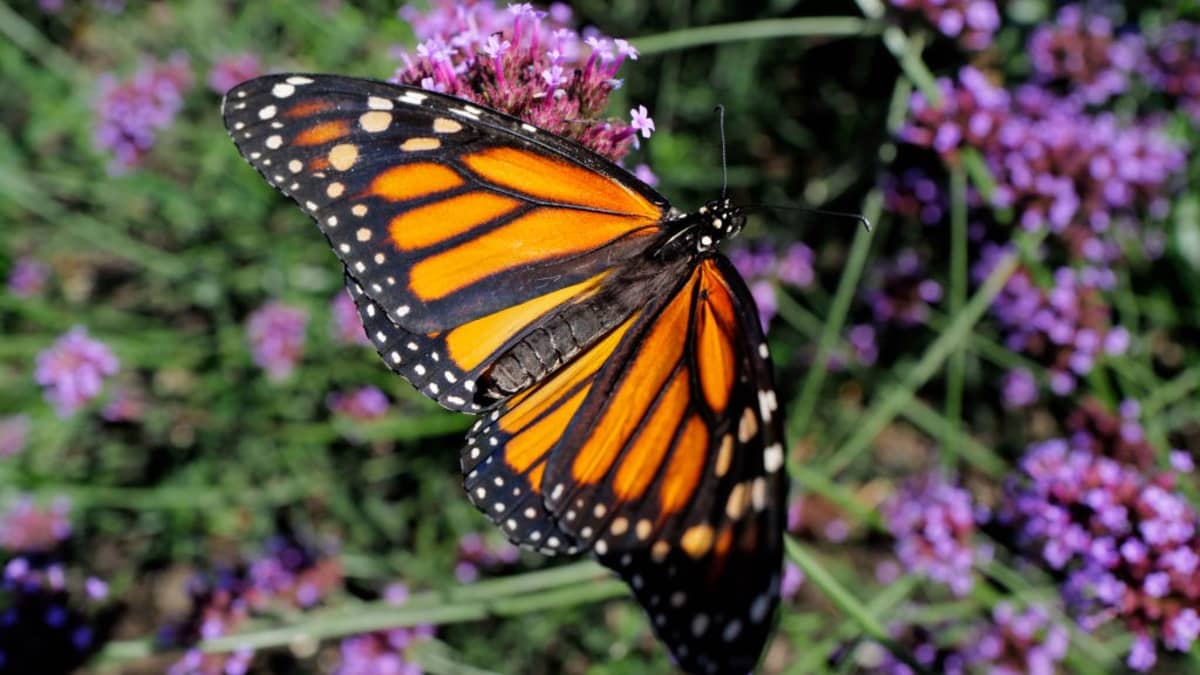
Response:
column 549, row 347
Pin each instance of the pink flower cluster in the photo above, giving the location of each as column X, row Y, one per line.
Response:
column 73, row 370
column 276, row 335
column 130, row 113
column 527, row 63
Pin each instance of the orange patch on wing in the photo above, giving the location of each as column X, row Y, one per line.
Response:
column 307, row 108
column 716, row 326
column 685, row 468
column 322, row 133
column 439, row 221
column 526, row 406
column 640, row 464
column 535, row 477
column 554, row 180
column 654, row 363
column 537, row 236
column 472, row 343
column 410, row 181
column 318, row 164
column 536, row 440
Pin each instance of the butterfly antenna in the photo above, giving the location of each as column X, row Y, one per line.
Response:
column 866, row 223
column 720, row 109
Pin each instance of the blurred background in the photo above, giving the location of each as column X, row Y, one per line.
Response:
column 991, row 397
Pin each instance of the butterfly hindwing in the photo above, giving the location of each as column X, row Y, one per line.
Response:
column 660, row 448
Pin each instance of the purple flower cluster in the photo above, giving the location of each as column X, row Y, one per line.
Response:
column 1060, row 167
column 27, row 278
column 49, row 621
column 764, row 270
column 73, row 369
column 48, row 615
column 1080, row 52
column 276, row 335
column 347, row 326
column 1172, row 64
column 288, row 575
column 229, row 71
column 383, row 652
column 972, row 22
column 933, row 522
column 1084, row 176
column 1128, row 543
column 899, row 291
column 475, row 554
column 527, row 63
column 1066, row 327
column 914, row 194
column 1008, row 642
column 363, row 404
column 14, row 433
column 130, row 113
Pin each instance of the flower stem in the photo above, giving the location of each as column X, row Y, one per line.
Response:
column 824, row 26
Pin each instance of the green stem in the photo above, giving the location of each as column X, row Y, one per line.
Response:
column 844, row 600
column 802, row 412
column 523, row 594
column 825, row 26
column 955, row 334
column 957, row 297
column 978, row 455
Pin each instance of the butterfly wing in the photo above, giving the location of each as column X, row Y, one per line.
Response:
column 466, row 227
column 661, row 449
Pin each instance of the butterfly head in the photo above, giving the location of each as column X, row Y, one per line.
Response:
column 718, row 220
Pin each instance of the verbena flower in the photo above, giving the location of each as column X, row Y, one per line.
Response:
column 763, row 269
column 130, row 113
column 73, row 369
column 27, row 527
column 14, row 433
column 27, row 278
column 476, row 554
column 229, row 71
column 899, row 290
column 347, row 326
column 1019, row 388
column 1081, row 53
column 289, row 576
column 276, row 335
column 972, row 22
column 971, row 112
column 1066, row 327
column 934, row 523
column 383, row 652
column 528, row 63
column 364, row 403
column 913, row 194
column 1127, row 542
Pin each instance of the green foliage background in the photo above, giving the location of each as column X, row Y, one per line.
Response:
column 165, row 262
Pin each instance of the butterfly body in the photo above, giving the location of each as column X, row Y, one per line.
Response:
column 613, row 356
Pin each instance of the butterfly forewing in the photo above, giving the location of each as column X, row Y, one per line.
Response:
column 467, row 228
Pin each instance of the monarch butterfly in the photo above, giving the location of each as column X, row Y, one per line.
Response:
column 614, row 357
